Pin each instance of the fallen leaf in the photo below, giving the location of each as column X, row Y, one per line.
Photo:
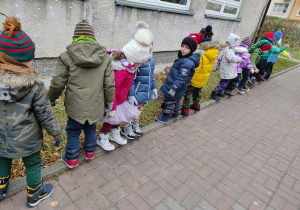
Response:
column 54, row 204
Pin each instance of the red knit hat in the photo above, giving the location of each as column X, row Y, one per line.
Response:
column 197, row 37
column 266, row 47
column 270, row 35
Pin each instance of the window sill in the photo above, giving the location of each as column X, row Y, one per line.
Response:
column 222, row 17
column 152, row 7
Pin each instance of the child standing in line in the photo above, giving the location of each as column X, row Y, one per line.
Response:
column 178, row 79
column 85, row 71
column 226, row 62
column 200, row 77
column 25, row 108
column 206, row 33
column 242, row 68
column 143, row 88
column 124, row 63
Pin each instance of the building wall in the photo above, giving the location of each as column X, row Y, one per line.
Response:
column 285, row 15
column 295, row 10
column 50, row 24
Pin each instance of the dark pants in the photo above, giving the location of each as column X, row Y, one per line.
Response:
column 261, row 65
column 191, row 91
column 269, row 69
column 73, row 129
column 246, row 73
column 32, row 165
column 234, row 83
column 170, row 107
column 222, row 85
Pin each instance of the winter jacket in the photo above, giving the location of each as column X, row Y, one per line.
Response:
column 264, row 41
column 24, row 109
column 226, row 62
column 180, row 75
column 85, row 71
column 242, row 51
column 207, row 61
column 281, row 51
column 143, row 82
column 255, row 57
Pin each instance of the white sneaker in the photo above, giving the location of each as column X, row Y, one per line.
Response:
column 104, row 142
column 116, row 136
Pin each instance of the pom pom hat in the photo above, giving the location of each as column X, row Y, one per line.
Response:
column 233, row 39
column 15, row 42
column 137, row 50
column 269, row 35
column 208, row 28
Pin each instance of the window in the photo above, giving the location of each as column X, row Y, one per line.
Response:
column 175, row 4
column 280, row 8
column 223, row 8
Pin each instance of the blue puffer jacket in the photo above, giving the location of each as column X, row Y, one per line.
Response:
column 143, row 82
column 180, row 75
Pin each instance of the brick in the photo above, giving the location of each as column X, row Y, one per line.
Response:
column 272, row 184
column 138, row 175
column 203, row 183
column 265, row 196
column 227, row 190
column 98, row 198
column 191, row 200
column 162, row 183
column 233, row 174
column 196, row 187
column 214, row 178
column 181, row 192
column 125, row 205
column 82, row 190
column 232, row 185
column 237, row 206
column 111, row 186
column 184, row 175
column 225, row 202
column 130, row 181
column 138, row 202
column 297, row 186
column 156, row 197
column 290, row 206
column 277, row 202
column 173, row 204
column 85, row 203
column 119, row 194
column 147, row 189
column 246, row 199
column 205, row 171
column 261, row 177
column 288, row 197
column 61, row 196
column 214, row 195
column 257, row 204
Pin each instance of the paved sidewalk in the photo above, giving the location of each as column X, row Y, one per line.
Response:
column 241, row 153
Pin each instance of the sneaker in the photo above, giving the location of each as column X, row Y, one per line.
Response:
column 136, row 128
column 195, row 107
column 184, row 112
column 4, row 182
column 245, row 88
column 251, row 81
column 229, row 92
column 104, row 142
column 35, row 196
column 240, row 90
column 115, row 135
column 127, row 131
column 175, row 116
column 162, row 118
column 69, row 163
column 89, row 155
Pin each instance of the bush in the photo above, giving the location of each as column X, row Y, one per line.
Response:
column 290, row 30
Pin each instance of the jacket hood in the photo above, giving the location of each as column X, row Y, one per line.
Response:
column 86, row 54
column 240, row 49
column 14, row 86
column 208, row 45
column 196, row 57
column 268, row 39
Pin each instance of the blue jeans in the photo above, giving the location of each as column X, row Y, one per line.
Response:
column 246, row 73
column 73, row 129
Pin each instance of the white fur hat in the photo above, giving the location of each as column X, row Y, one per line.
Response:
column 233, row 39
column 137, row 50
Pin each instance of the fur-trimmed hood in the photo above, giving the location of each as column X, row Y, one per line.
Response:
column 240, row 49
column 14, row 86
column 208, row 45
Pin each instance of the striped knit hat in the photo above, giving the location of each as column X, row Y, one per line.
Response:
column 246, row 41
column 19, row 46
column 83, row 28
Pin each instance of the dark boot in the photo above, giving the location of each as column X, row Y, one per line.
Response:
column 215, row 95
column 220, row 94
column 229, row 92
column 4, row 182
column 35, row 196
column 195, row 107
column 185, row 112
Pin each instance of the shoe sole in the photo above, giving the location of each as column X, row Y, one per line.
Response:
column 67, row 164
column 118, row 142
column 161, row 121
column 29, row 205
column 2, row 197
column 128, row 137
column 108, row 150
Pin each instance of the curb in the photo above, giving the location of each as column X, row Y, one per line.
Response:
column 48, row 172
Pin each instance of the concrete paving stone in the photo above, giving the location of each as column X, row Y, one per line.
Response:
column 214, row 195
column 85, row 203
column 206, row 205
column 125, row 205
column 99, row 199
column 173, row 204
column 237, row 206
column 225, row 202
column 138, row 202
column 156, row 197
column 246, row 199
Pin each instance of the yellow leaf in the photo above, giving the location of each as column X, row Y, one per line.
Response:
column 54, row 204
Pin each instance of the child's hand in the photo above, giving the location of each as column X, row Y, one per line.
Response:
column 154, row 94
column 57, row 140
column 240, row 60
column 286, row 46
column 290, row 57
column 252, row 70
column 256, row 70
column 110, row 114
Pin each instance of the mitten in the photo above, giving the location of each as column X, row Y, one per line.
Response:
column 57, row 140
column 131, row 100
column 110, row 114
column 172, row 93
column 154, row 94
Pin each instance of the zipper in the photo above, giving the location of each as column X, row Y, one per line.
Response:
column 137, row 87
column 149, row 77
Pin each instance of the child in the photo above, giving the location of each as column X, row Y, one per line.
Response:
column 273, row 56
column 226, row 62
column 178, row 79
column 125, row 63
column 25, row 109
column 200, row 77
column 86, row 73
column 143, row 88
column 242, row 68
column 206, row 33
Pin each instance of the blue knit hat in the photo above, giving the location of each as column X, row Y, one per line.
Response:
column 83, row 28
column 208, row 28
column 278, row 34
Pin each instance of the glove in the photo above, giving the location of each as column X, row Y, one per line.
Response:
column 110, row 114
column 172, row 93
column 57, row 140
column 52, row 103
column 131, row 100
column 108, row 106
column 154, row 94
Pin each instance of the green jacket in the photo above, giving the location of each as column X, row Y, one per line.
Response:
column 255, row 57
column 24, row 109
column 85, row 71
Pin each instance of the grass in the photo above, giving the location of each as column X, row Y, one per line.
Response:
column 296, row 53
column 51, row 155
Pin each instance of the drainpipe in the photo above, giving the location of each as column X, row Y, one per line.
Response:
column 262, row 20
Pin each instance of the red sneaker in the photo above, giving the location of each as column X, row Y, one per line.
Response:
column 89, row 155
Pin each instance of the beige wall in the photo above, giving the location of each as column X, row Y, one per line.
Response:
column 295, row 10
column 50, row 23
column 285, row 15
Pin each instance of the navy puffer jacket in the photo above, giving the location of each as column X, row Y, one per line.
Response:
column 180, row 75
column 144, row 82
